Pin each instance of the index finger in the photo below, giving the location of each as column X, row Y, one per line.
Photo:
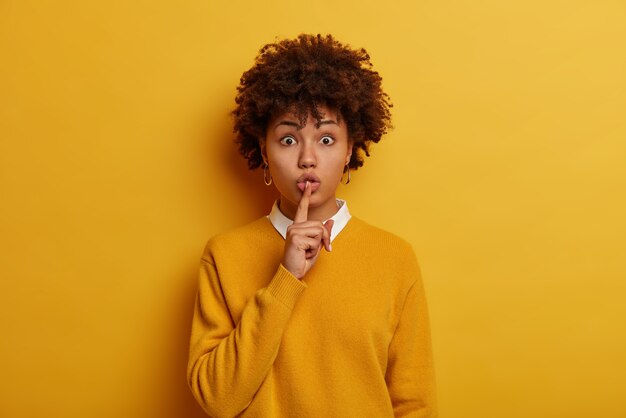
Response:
column 302, row 213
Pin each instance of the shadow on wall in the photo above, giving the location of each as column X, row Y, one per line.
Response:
column 182, row 402
column 246, row 187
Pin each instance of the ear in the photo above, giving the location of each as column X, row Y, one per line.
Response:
column 263, row 150
column 349, row 155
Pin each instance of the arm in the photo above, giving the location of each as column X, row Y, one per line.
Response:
column 410, row 375
column 228, row 362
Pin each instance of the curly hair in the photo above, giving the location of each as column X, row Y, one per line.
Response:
column 298, row 75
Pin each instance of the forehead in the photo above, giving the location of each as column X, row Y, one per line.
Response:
column 292, row 118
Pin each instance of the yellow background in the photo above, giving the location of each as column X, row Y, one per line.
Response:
column 506, row 171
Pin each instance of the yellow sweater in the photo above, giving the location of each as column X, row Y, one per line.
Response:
column 349, row 340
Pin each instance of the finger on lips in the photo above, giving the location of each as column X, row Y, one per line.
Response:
column 302, row 212
column 309, row 236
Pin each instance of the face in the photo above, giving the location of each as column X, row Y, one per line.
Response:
column 315, row 153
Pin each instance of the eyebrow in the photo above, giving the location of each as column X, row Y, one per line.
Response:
column 298, row 126
column 327, row 122
column 288, row 123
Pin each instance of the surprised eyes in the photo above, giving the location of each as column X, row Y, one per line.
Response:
column 290, row 140
column 327, row 140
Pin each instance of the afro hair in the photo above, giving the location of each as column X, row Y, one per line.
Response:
column 298, row 75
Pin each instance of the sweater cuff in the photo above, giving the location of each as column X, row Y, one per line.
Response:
column 286, row 287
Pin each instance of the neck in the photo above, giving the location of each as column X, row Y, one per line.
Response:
column 315, row 213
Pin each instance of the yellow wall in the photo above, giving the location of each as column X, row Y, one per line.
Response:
column 506, row 170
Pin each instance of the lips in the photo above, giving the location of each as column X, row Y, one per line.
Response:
column 311, row 178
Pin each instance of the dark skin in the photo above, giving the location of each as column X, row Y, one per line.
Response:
column 305, row 238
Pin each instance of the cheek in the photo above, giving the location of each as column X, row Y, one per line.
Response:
column 338, row 171
column 339, row 164
column 278, row 173
column 277, row 163
column 283, row 177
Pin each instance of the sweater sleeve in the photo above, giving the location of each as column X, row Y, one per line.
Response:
column 410, row 374
column 228, row 362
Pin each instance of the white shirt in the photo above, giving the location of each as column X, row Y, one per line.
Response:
column 281, row 222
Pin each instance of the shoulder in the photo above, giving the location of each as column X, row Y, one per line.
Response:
column 374, row 242
column 383, row 253
column 373, row 236
column 241, row 240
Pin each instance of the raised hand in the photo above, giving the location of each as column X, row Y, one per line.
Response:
column 305, row 238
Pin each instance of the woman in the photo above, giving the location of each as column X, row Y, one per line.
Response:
column 310, row 312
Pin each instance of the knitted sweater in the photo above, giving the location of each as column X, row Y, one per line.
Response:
column 349, row 340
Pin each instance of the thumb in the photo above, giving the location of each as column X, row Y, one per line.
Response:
column 328, row 225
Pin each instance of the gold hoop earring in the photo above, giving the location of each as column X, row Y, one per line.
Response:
column 265, row 173
column 348, row 180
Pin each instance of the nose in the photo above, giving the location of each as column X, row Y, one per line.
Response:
column 307, row 157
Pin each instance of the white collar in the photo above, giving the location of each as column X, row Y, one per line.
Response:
column 281, row 222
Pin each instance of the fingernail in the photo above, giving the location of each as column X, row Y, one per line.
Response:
column 306, row 185
column 330, row 247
